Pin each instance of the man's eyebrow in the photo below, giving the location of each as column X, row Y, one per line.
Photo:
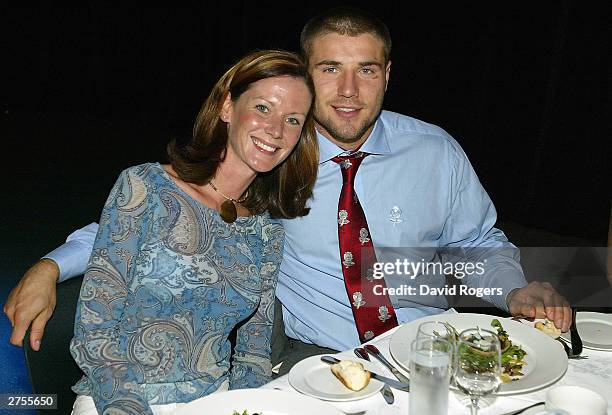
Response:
column 328, row 62
column 371, row 63
column 337, row 63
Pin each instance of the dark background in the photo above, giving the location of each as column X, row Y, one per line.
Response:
column 87, row 91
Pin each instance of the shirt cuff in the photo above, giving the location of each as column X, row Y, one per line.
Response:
column 72, row 257
column 511, row 282
column 69, row 259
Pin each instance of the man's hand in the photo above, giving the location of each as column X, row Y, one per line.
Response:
column 32, row 301
column 540, row 300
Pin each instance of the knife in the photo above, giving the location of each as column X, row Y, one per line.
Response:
column 574, row 336
column 391, row 382
column 373, row 350
column 386, row 391
column 568, row 350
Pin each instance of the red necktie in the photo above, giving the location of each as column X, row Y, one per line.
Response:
column 373, row 313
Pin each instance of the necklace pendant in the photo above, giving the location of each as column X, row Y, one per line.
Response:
column 228, row 212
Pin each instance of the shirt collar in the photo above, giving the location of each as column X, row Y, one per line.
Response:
column 376, row 143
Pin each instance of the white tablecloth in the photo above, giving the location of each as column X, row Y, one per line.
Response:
column 594, row 373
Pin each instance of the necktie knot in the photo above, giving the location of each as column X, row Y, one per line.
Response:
column 349, row 165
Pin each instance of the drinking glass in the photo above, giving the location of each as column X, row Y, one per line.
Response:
column 443, row 330
column 430, row 362
column 479, row 366
column 436, row 329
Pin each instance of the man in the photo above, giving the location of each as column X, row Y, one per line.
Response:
column 414, row 187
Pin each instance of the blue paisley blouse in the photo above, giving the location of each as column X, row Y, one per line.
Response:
column 167, row 282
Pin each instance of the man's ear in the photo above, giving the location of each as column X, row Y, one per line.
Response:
column 226, row 108
column 387, row 73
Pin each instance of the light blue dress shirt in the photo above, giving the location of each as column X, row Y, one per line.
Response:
column 72, row 257
column 417, row 189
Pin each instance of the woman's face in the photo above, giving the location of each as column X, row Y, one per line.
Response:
column 265, row 123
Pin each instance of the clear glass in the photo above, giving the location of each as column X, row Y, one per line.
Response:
column 430, row 362
column 479, row 366
column 437, row 329
column 443, row 330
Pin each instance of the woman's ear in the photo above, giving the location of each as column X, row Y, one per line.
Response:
column 226, row 108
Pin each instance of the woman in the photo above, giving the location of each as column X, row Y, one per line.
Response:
column 187, row 252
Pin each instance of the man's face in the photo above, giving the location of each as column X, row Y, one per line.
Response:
column 350, row 78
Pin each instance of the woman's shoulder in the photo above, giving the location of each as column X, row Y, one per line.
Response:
column 143, row 170
column 145, row 179
column 147, row 174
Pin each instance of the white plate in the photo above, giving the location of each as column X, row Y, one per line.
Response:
column 313, row 377
column 546, row 359
column 262, row 401
column 595, row 330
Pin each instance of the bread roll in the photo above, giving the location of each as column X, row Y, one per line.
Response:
column 548, row 327
column 351, row 374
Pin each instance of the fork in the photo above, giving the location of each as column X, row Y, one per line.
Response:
column 386, row 391
column 377, row 354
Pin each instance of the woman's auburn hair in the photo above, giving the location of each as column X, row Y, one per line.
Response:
column 284, row 190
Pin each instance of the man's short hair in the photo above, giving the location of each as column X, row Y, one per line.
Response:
column 348, row 21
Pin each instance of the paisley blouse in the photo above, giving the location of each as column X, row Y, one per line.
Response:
column 167, row 282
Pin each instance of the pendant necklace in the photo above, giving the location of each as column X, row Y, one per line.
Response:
column 228, row 208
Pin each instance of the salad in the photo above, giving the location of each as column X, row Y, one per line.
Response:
column 512, row 355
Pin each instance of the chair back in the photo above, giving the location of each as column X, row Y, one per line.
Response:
column 52, row 369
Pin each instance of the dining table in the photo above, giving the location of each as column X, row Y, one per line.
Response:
column 549, row 369
column 593, row 372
